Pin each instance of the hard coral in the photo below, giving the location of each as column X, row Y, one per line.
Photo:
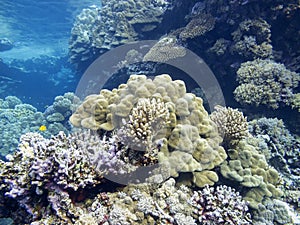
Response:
column 231, row 123
column 164, row 50
column 253, row 39
column 52, row 169
column 198, row 26
column 220, row 205
column 265, row 82
column 97, row 30
column 159, row 123
column 247, row 166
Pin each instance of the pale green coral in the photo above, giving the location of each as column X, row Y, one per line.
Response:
column 247, row 166
column 187, row 138
column 199, row 25
column 265, row 82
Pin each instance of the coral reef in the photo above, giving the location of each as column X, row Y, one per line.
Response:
column 122, row 167
column 55, row 169
column 232, row 125
column 275, row 212
column 199, row 25
column 97, row 30
column 40, row 195
column 17, row 118
column 247, row 166
column 62, row 108
column 220, row 47
column 220, row 205
column 265, row 82
column 187, row 140
column 164, row 50
column 252, row 39
column 283, row 147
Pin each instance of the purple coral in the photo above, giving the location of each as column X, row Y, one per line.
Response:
column 220, row 205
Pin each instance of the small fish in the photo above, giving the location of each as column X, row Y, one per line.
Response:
column 43, row 128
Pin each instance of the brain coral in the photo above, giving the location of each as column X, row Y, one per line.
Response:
column 97, row 30
column 265, row 82
column 186, row 140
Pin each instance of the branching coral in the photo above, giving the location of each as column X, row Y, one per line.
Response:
column 253, row 39
column 265, row 82
column 161, row 118
column 48, row 168
column 145, row 122
column 220, row 205
column 231, row 123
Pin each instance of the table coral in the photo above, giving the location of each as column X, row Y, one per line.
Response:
column 265, row 82
column 199, row 25
column 164, row 50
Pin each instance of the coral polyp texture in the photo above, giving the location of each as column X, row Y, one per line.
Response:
column 199, row 25
column 158, row 117
column 164, row 50
column 232, row 124
column 247, row 166
column 265, row 82
column 220, row 205
column 146, row 152
column 97, row 30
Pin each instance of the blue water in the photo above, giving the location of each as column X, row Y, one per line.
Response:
column 36, row 69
